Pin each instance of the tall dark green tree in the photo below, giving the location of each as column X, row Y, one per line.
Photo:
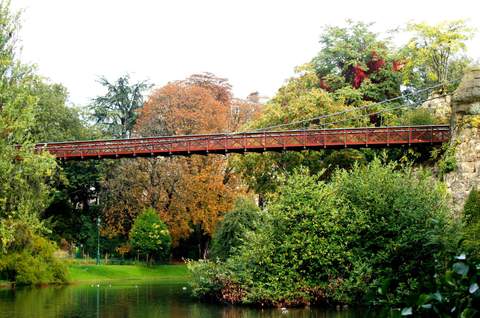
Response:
column 116, row 111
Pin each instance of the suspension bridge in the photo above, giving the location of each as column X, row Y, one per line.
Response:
column 267, row 139
column 291, row 140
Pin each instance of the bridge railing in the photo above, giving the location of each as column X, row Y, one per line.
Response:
column 250, row 141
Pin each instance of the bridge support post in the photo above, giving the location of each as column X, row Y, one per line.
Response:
column 465, row 124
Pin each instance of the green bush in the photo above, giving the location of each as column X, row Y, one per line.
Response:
column 231, row 231
column 471, row 218
column 371, row 235
column 418, row 117
column 150, row 236
column 402, row 227
column 31, row 260
column 471, row 209
column 445, row 157
column 456, row 293
column 213, row 281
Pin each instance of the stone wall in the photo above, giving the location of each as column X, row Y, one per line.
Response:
column 439, row 106
column 465, row 122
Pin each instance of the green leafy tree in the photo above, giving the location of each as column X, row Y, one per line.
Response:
column 231, row 231
column 116, row 111
column 355, row 67
column 54, row 120
column 355, row 64
column 24, row 187
column 25, row 175
column 150, row 236
column 436, row 53
column 76, row 183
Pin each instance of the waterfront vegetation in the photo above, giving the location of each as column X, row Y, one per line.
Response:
column 373, row 235
column 341, row 227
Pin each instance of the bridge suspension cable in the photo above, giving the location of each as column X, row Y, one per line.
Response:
column 386, row 110
column 326, row 116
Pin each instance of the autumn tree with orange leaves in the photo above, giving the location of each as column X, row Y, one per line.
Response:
column 190, row 193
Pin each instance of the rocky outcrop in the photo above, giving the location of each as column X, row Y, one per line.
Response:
column 465, row 138
column 439, row 106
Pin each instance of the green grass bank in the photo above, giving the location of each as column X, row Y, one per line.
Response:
column 100, row 273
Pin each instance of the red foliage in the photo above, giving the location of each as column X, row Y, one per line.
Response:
column 358, row 76
column 375, row 63
column 324, row 85
column 397, row 65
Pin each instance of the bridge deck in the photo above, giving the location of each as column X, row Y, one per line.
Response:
column 249, row 142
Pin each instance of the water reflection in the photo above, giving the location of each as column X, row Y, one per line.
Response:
column 135, row 300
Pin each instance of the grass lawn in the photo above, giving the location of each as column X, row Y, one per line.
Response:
column 99, row 273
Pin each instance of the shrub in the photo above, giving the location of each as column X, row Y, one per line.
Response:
column 456, row 293
column 471, row 218
column 402, row 227
column 371, row 235
column 445, row 157
column 231, row 231
column 150, row 236
column 212, row 280
column 471, row 209
column 31, row 260
column 419, row 117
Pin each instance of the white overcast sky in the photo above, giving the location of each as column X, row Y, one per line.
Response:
column 255, row 44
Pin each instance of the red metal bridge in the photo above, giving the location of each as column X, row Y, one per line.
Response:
column 292, row 140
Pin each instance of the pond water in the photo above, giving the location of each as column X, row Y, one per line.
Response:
column 136, row 300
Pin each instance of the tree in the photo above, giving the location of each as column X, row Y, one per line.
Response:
column 116, row 111
column 25, row 174
column 150, row 236
column 232, row 230
column 76, row 183
column 356, row 65
column 182, row 109
column 54, row 120
column 219, row 87
column 435, row 53
column 189, row 193
column 243, row 111
column 24, row 188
